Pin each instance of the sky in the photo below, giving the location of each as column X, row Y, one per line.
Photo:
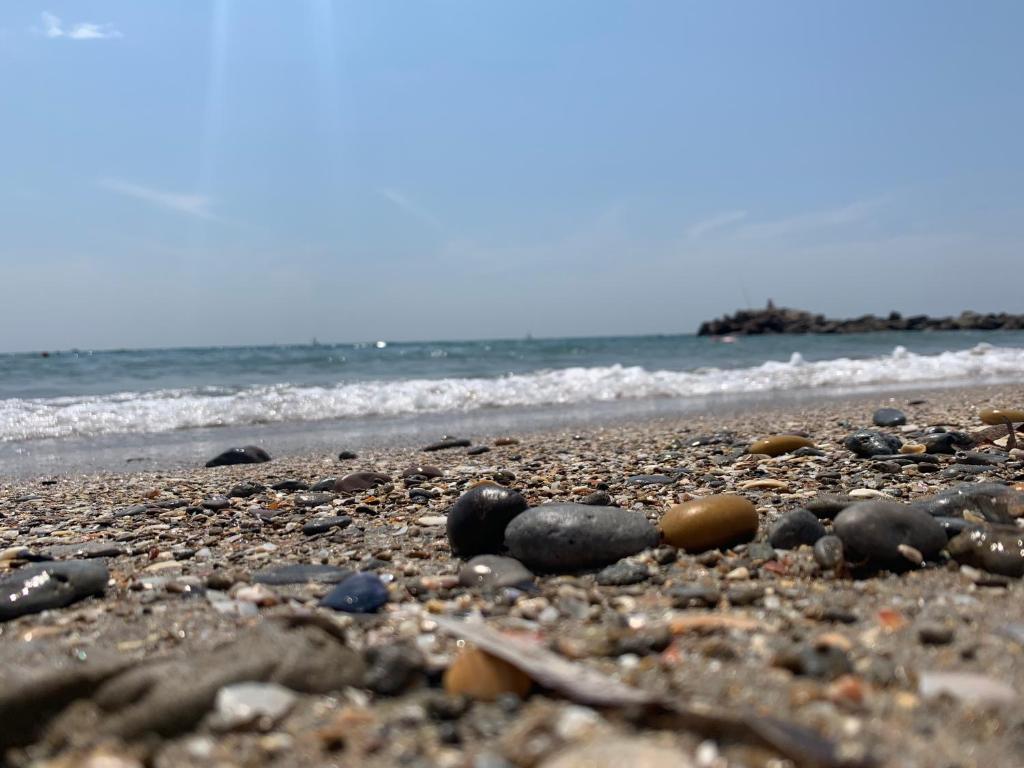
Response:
column 209, row 173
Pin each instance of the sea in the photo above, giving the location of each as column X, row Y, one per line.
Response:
column 82, row 410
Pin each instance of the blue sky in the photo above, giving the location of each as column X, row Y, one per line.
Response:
column 261, row 172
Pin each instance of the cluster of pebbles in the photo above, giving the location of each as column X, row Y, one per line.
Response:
column 834, row 585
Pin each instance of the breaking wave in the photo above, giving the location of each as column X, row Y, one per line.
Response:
column 174, row 409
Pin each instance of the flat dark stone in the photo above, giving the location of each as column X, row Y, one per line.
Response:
column 290, row 486
column 426, row 471
column 42, row 586
column 872, row 531
column 867, row 443
column 477, row 520
column 476, row 450
column 327, row 484
column 347, row 455
column 85, row 550
column 301, row 573
column 216, row 503
column 312, row 499
column 569, row 537
column 995, row 549
column 324, row 524
column 249, row 454
column 359, row 593
column 448, row 442
column 795, row 528
column 995, row 502
column 827, row 505
column 889, row 417
column 245, row 490
column 494, row 572
column 980, row 458
column 946, row 442
column 134, row 510
column 650, row 480
column 361, row 481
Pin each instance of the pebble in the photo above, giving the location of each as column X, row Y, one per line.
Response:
column 569, row 537
column 867, row 443
column 245, row 490
column 360, row 481
column 933, row 633
column 597, row 499
column 946, row 442
column 327, row 484
column 477, row 450
column 216, row 503
column 323, row 524
column 711, row 522
column 249, row 454
column 623, row 573
column 995, row 416
column 290, row 485
column 888, row 417
column 494, row 572
column 965, row 686
column 643, row 480
column 347, row 455
column 872, row 532
column 426, row 471
column 84, row 550
column 477, row 521
column 694, row 596
column 301, row 573
column 795, row 528
column 242, row 704
column 617, row 752
column 996, row 549
column 447, row 442
column 359, row 593
column 392, row 668
column 776, row 445
column 503, row 441
column 994, row 502
column 826, row 506
column 42, row 586
column 479, row 675
column 313, row 499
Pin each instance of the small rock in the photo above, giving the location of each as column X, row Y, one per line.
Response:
column 617, row 752
column 643, row 480
column 477, row 450
column 597, row 499
column 290, row 486
column 481, row 676
column 245, row 490
column 42, row 586
column 712, row 522
column 359, row 593
column 867, row 443
column 477, row 521
column 796, row 528
column 623, row 573
column 323, row 524
column 360, row 481
column 494, row 572
column 996, row 549
column 242, row 704
column 327, row 484
column 301, row 573
column 347, row 455
column 446, row 443
column 946, row 442
column 776, row 445
column 694, row 596
column 826, row 506
column 393, row 668
column 889, row 417
column 250, row 454
column 313, row 499
column 828, row 552
column 994, row 416
column 216, row 503
column 872, row 532
column 503, row 441
column 568, row 537
column 932, row 633
column 965, row 686
column 426, row 471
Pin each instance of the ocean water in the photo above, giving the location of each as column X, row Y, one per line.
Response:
column 88, row 409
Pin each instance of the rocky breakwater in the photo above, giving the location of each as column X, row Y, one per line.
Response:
column 774, row 319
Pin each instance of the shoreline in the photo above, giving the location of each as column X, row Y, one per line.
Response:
column 750, row 635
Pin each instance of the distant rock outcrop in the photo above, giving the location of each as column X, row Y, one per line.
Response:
column 774, row 319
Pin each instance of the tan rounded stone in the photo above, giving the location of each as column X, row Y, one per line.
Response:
column 619, row 752
column 913, row 448
column 482, row 676
column 710, row 523
column 776, row 445
column 1000, row 415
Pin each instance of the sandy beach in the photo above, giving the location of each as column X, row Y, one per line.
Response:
column 697, row 650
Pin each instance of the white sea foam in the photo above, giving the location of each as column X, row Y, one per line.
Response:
column 172, row 409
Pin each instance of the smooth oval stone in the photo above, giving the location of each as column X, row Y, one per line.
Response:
column 776, row 445
column 796, row 528
column 301, row 573
column 946, row 442
column 956, row 525
column 41, row 586
column 623, row 573
column 712, row 522
column 617, row 752
column 216, row 503
column 982, row 458
column 995, row 416
column 568, row 537
column 361, row 481
column 327, row 484
column 249, row 454
column 313, row 499
column 428, row 471
column 477, row 521
column 245, row 490
column 827, row 505
column 481, row 676
column 888, row 417
column 872, row 532
column 359, row 593
column 995, row 549
column 867, row 442
column 494, row 572
column 650, row 480
column 994, row 502
column 346, row 455
column 828, row 552
column 324, row 524
column 290, row 486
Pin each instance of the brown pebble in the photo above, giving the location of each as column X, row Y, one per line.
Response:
column 506, row 441
column 479, row 675
column 710, row 523
column 776, row 445
column 1000, row 415
column 360, row 481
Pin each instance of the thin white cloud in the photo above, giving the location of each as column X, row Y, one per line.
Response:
column 192, row 205
column 83, row 30
column 411, row 207
column 717, row 221
column 812, row 221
